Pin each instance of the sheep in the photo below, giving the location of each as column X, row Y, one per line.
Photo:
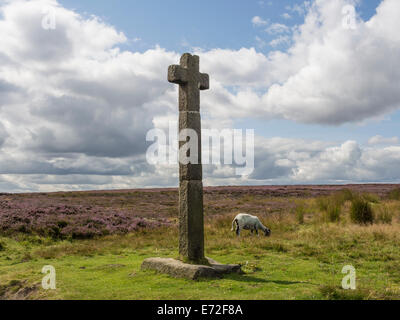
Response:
column 249, row 222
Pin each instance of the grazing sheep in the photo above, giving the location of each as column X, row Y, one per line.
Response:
column 249, row 222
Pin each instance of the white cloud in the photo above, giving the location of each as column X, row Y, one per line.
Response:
column 279, row 41
column 277, row 28
column 258, row 21
column 346, row 74
column 382, row 140
column 73, row 104
column 339, row 163
column 286, row 16
column 330, row 74
column 219, row 62
column 71, row 101
column 282, row 160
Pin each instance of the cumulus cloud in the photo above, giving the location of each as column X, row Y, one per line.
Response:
column 75, row 108
column 280, row 160
column 73, row 102
column 339, row 163
column 328, row 75
column 331, row 74
column 80, row 93
column 347, row 75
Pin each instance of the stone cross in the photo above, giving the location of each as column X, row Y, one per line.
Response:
column 191, row 220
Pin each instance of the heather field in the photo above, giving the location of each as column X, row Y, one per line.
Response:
column 97, row 240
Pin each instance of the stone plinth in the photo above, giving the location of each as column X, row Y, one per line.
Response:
column 179, row 269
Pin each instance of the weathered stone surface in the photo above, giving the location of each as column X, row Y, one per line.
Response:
column 191, row 221
column 178, row 269
column 190, row 119
column 204, row 81
column 190, row 81
column 177, row 74
column 189, row 172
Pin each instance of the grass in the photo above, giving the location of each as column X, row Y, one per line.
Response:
column 290, row 265
column 394, row 194
column 383, row 214
column 300, row 212
column 303, row 258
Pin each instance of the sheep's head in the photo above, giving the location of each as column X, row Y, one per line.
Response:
column 267, row 232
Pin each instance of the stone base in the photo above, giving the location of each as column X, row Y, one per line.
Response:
column 179, row 269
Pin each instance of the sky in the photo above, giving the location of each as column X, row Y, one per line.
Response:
column 83, row 82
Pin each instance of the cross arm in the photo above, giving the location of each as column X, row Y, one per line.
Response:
column 204, row 83
column 177, row 74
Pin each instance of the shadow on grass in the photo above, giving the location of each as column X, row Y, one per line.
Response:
column 252, row 279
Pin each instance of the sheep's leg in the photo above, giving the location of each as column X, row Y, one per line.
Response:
column 252, row 231
column 238, row 230
column 257, row 231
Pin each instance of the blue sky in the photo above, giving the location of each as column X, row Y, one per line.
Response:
column 171, row 23
column 83, row 82
column 207, row 24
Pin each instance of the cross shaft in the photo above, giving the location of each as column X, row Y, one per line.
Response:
column 191, row 220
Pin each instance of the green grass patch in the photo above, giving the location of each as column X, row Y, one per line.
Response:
column 302, row 259
column 301, row 264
